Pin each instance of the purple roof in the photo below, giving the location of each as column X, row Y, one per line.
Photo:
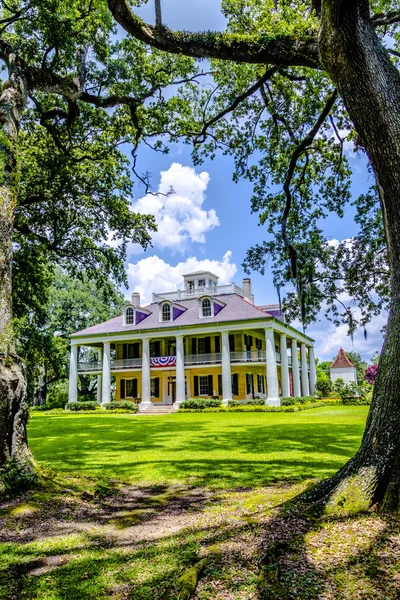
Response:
column 236, row 309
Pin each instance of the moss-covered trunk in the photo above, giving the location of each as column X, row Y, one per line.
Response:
column 370, row 87
column 13, row 407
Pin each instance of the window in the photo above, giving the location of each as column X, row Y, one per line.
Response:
column 155, row 387
column 166, row 312
column 190, row 285
column 206, row 308
column 203, row 385
column 201, row 283
column 210, row 283
column 131, row 388
column 260, row 384
column 129, row 316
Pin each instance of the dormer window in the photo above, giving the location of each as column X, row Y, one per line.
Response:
column 201, row 283
column 209, row 306
column 129, row 316
column 166, row 312
column 206, row 308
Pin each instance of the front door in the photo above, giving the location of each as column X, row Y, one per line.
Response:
column 173, row 391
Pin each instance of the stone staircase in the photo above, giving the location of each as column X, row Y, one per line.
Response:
column 165, row 409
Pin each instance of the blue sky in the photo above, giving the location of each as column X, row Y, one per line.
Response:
column 208, row 224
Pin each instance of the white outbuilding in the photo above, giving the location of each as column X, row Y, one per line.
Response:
column 342, row 368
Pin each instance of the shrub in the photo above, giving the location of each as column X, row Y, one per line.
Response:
column 288, row 401
column 255, row 402
column 57, row 394
column 79, row 406
column 13, row 479
column 291, row 400
column 323, row 386
column 122, row 405
column 200, row 403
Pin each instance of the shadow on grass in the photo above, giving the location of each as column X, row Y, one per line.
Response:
column 270, row 551
column 198, row 451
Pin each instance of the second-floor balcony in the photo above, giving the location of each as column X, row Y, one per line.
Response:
column 127, row 364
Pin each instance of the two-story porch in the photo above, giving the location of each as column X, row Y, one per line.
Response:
column 241, row 364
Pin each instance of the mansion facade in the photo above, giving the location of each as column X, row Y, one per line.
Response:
column 205, row 340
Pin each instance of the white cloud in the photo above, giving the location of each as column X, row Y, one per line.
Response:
column 329, row 338
column 153, row 274
column 180, row 216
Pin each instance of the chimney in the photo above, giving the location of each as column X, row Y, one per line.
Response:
column 135, row 298
column 247, row 290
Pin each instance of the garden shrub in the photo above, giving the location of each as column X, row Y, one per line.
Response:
column 79, row 406
column 201, row 403
column 323, row 386
column 122, row 405
column 57, row 394
column 14, row 480
column 291, row 400
column 255, row 402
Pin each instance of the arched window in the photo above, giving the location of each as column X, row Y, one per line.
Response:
column 166, row 312
column 130, row 316
column 206, row 308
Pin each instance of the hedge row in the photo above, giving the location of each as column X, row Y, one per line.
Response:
column 200, row 403
column 291, row 400
column 94, row 406
column 256, row 402
column 244, row 408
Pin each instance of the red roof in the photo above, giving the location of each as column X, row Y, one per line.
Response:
column 341, row 360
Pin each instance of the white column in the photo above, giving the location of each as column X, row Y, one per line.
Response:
column 313, row 369
column 272, row 372
column 226, row 369
column 146, row 401
column 305, row 387
column 284, row 367
column 295, row 369
column 73, row 374
column 180, row 371
column 99, row 378
column 106, row 387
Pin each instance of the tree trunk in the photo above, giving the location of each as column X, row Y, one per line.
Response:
column 370, row 87
column 13, row 407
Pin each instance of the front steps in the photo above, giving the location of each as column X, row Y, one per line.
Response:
column 165, row 409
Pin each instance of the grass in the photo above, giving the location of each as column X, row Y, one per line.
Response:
column 186, row 490
column 215, row 450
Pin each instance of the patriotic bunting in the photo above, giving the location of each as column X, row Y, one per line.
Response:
column 163, row 361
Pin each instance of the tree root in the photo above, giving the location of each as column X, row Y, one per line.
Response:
column 187, row 583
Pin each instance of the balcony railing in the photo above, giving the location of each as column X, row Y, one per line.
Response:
column 203, row 359
column 95, row 365
column 244, row 356
column 213, row 290
column 126, row 363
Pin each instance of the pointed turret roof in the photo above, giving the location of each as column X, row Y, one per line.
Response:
column 341, row 360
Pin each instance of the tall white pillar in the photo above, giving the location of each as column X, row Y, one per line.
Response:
column 146, row 401
column 284, row 367
column 180, row 371
column 106, row 387
column 226, row 369
column 73, row 374
column 272, row 371
column 313, row 369
column 295, row 369
column 305, row 387
column 99, row 379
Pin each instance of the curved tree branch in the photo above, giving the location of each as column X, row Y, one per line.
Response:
column 261, row 49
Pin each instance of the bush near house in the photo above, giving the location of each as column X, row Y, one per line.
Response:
column 201, row 403
column 323, row 386
column 124, row 405
column 79, row 406
column 291, row 400
column 255, row 402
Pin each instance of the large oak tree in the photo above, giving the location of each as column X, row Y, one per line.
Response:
column 350, row 45
column 72, row 97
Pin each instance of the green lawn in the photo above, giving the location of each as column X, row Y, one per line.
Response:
column 218, row 450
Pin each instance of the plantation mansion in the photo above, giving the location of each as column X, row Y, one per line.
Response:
column 202, row 341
